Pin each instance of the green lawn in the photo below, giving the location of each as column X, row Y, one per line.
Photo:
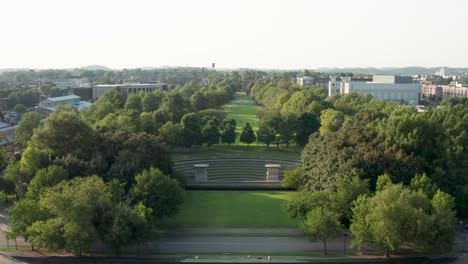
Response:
column 243, row 112
column 231, row 209
column 222, row 151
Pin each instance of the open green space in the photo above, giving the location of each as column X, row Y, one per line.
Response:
column 240, row 152
column 243, row 112
column 232, row 209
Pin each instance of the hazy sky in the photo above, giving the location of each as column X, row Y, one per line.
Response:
column 286, row 34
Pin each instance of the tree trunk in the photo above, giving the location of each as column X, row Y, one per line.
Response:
column 387, row 252
column 325, row 247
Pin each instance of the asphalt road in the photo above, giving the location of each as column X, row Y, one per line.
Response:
column 238, row 244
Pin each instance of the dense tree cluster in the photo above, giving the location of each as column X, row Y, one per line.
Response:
column 360, row 139
column 78, row 184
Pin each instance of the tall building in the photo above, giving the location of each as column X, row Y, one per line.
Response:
column 400, row 89
column 442, row 72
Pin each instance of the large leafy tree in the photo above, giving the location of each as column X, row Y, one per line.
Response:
column 158, row 192
column 210, row 133
column 321, row 223
column 127, row 155
column 191, row 123
column 24, row 131
column 75, row 206
column 65, row 132
column 353, row 151
column 306, row 124
column 247, row 135
column 266, row 134
column 395, row 215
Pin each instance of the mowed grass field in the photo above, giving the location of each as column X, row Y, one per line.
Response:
column 233, row 209
column 243, row 112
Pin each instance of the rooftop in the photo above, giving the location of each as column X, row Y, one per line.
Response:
column 63, row 98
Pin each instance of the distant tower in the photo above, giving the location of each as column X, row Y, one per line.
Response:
column 442, row 72
column 213, row 65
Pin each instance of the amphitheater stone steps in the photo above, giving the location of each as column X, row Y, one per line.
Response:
column 235, row 169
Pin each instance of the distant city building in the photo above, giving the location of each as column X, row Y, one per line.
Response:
column 442, row 72
column 321, row 82
column 304, row 81
column 3, row 104
column 400, row 89
column 205, row 81
column 454, row 89
column 71, row 100
column 126, row 89
column 72, row 83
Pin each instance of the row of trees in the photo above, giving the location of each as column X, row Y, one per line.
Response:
column 394, row 214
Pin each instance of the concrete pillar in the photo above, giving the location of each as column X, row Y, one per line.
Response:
column 272, row 172
column 201, row 172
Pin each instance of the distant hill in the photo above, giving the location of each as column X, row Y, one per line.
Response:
column 95, row 68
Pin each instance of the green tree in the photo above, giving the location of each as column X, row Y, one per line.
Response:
column 396, row 215
column 158, row 192
column 228, row 131
column 247, row 135
column 210, row 133
column 65, row 132
column 306, row 124
column 330, row 121
column 134, row 103
column 152, row 101
column 148, row 124
column 26, row 125
column 321, row 223
column 266, row 134
column 172, row 134
column 19, row 108
column 44, row 179
column 7, row 187
column 75, row 208
column 191, row 123
column 304, row 202
column 293, row 178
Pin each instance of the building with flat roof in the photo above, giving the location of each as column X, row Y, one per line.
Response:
column 72, row 83
column 400, row 89
column 454, row 89
column 127, row 88
column 321, row 82
column 71, row 100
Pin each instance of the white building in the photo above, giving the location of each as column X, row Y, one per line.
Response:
column 442, row 72
column 72, row 83
column 399, row 89
column 127, row 88
column 305, row 81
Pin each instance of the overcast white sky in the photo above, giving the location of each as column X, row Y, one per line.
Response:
column 286, row 34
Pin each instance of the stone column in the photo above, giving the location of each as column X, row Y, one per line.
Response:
column 201, row 173
column 272, row 173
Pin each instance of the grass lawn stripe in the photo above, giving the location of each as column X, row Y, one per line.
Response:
column 232, row 209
